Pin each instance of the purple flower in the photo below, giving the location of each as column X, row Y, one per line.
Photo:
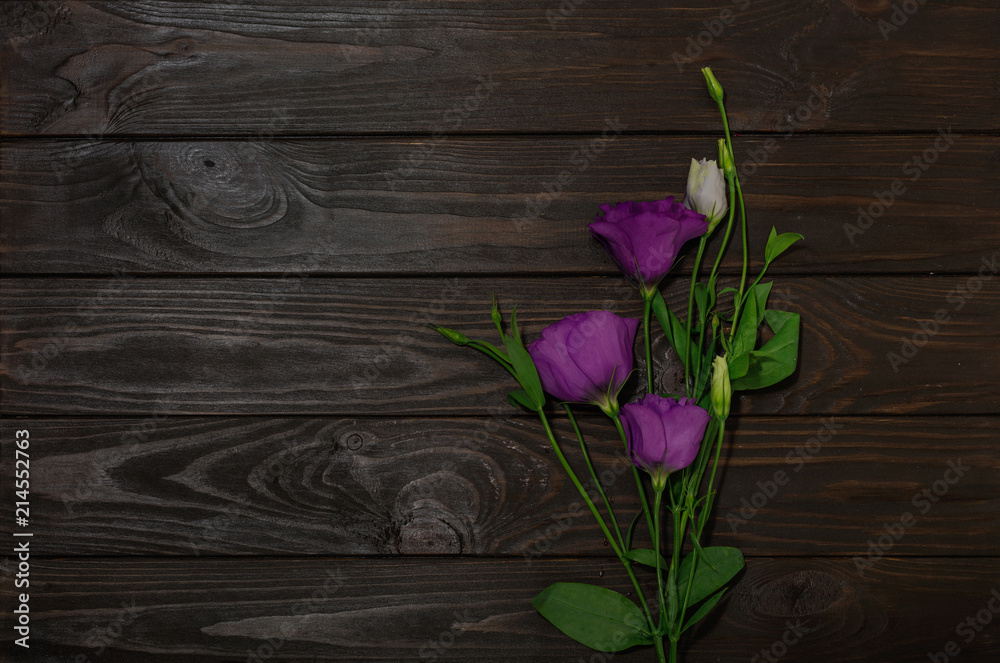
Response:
column 586, row 357
column 645, row 238
column 664, row 435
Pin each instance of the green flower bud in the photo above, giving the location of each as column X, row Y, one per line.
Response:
column 714, row 87
column 458, row 338
column 726, row 160
column 722, row 389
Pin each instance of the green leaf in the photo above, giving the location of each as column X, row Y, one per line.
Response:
column 495, row 314
column 525, row 369
column 701, row 300
column 746, row 332
column 490, row 349
column 513, row 326
column 646, row 557
column 631, row 529
column 597, row 617
column 673, row 603
column 761, row 292
column 738, row 366
column 722, row 564
column 672, row 326
column 702, row 555
column 458, row 338
column 705, row 608
column 778, row 244
column 725, row 290
column 521, row 398
column 777, row 359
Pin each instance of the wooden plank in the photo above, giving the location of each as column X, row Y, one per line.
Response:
column 351, row 347
column 479, row 610
column 477, row 205
column 346, row 346
column 189, row 68
column 254, row 486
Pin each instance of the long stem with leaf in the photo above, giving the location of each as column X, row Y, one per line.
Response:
column 619, row 552
column 594, row 477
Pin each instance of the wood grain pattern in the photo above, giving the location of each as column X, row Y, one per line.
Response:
column 259, row 452
column 343, row 609
column 252, row 486
column 350, row 347
column 494, row 205
column 187, row 68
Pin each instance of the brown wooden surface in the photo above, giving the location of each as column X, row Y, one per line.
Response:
column 301, row 186
column 342, row 609
column 359, row 206
column 256, row 486
column 183, row 68
column 361, row 346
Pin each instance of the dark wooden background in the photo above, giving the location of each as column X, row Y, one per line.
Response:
column 224, row 228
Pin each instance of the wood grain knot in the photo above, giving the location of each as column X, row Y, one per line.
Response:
column 427, row 533
column 800, row 593
column 435, row 513
column 233, row 185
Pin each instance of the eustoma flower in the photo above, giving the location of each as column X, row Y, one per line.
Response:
column 586, row 357
column 664, row 434
column 645, row 238
column 706, row 191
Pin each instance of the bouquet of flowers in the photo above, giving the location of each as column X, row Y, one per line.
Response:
column 674, row 440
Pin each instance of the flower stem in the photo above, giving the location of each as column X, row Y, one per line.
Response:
column 661, row 656
column 743, row 277
column 657, row 498
column 711, row 480
column 647, row 306
column 673, row 651
column 690, row 314
column 697, row 527
column 597, row 515
column 743, row 218
column 593, row 474
column 635, row 471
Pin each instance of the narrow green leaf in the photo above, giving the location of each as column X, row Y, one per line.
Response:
column 460, row 339
column 594, row 616
column 705, row 608
column 702, row 555
column 631, row 529
column 761, row 292
column 646, row 557
column 525, row 369
column 673, row 602
column 778, row 244
column 705, row 402
column 497, row 319
column 723, row 563
column 701, row 300
column 672, row 326
column 490, row 349
column 521, row 398
column 777, row 359
column 746, row 332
